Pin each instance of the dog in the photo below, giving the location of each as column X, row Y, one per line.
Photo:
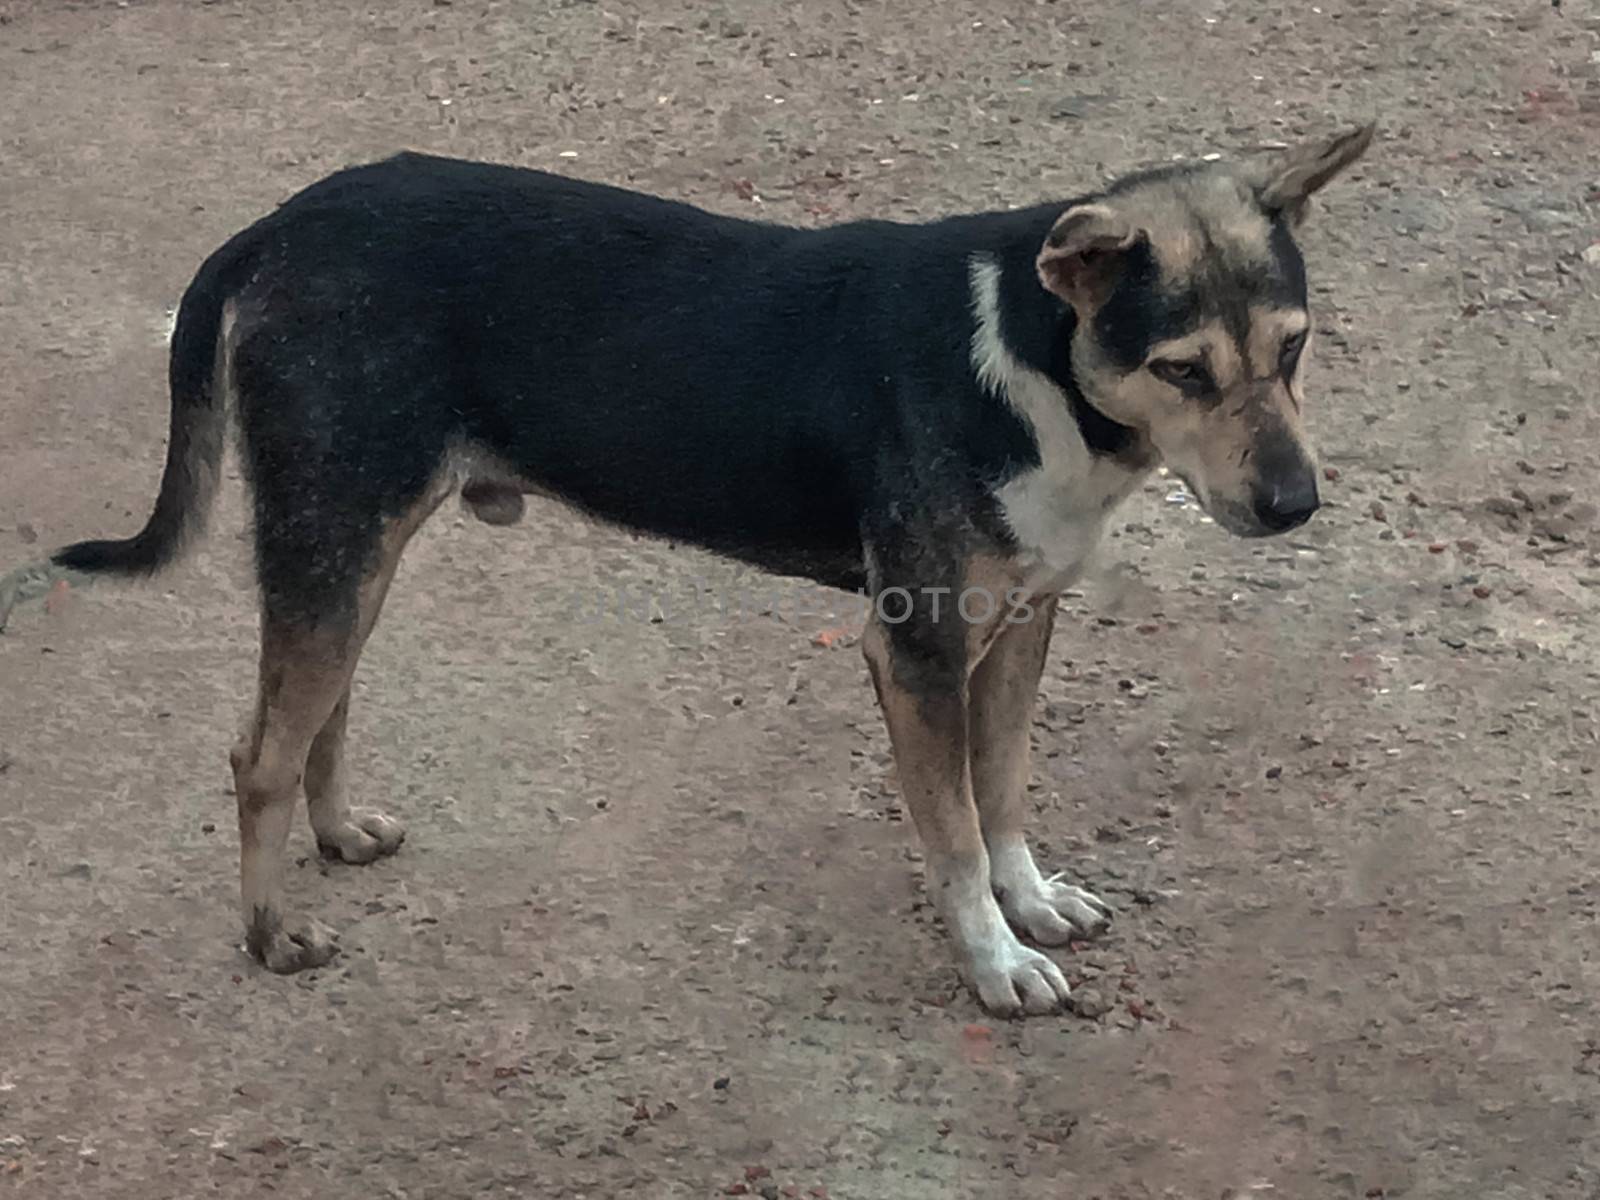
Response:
column 942, row 414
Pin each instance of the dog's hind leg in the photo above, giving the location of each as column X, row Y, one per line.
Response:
column 304, row 671
column 353, row 835
column 1003, row 689
column 315, row 619
column 359, row 835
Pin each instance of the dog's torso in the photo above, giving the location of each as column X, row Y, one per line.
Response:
column 778, row 395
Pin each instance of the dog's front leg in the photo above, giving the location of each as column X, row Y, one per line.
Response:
column 1002, row 693
column 920, row 673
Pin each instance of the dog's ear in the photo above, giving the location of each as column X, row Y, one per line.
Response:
column 1084, row 253
column 1288, row 184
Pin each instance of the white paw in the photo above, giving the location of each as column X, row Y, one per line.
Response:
column 366, row 834
column 1012, row 981
column 285, row 946
column 1050, row 912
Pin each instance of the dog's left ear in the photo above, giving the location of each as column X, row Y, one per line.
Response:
column 1083, row 255
column 1290, row 181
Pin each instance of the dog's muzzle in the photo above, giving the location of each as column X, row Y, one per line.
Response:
column 1285, row 504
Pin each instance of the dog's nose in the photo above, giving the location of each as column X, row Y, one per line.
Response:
column 1281, row 507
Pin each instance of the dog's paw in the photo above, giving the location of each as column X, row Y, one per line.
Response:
column 366, row 834
column 1013, row 981
column 1050, row 912
column 1053, row 913
column 284, row 947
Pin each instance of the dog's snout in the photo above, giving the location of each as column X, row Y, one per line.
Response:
column 1288, row 503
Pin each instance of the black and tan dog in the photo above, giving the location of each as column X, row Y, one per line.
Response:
column 944, row 414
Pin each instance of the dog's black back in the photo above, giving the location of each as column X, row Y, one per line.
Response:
column 756, row 390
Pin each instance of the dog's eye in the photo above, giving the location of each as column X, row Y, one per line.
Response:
column 1290, row 354
column 1186, row 376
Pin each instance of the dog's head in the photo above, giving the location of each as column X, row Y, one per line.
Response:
column 1190, row 299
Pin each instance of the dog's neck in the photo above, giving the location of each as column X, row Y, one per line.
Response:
column 1037, row 328
column 1086, row 464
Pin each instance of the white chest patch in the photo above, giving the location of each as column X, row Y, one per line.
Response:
column 1057, row 511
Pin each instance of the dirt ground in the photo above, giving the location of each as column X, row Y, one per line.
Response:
column 658, row 929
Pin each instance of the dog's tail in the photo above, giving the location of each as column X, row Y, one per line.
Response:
column 194, row 444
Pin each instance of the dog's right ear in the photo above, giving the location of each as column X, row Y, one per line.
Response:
column 1287, row 187
column 1084, row 253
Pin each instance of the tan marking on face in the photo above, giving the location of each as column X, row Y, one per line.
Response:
column 1242, row 233
column 1213, row 446
column 1209, row 345
column 1193, row 218
column 1297, row 379
column 1269, row 329
column 1176, row 249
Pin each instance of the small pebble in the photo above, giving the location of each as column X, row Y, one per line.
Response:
column 1090, row 1004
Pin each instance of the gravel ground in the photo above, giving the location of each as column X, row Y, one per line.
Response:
column 658, row 929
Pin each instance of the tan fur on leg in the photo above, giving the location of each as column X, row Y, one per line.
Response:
column 352, row 835
column 929, row 737
column 298, row 732
column 1003, row 690
column 303, row 674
